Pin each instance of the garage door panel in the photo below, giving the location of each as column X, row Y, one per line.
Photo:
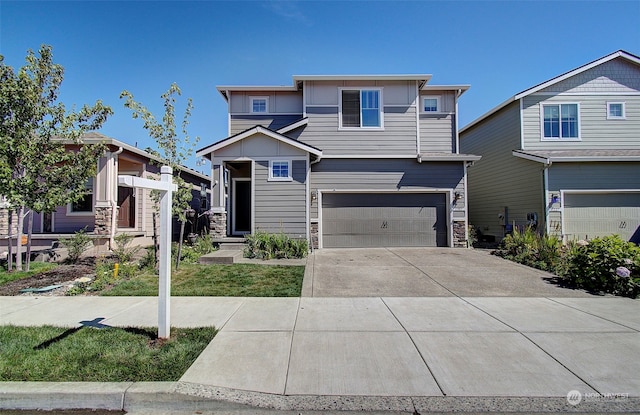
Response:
column 370, row 220
column 597, row 215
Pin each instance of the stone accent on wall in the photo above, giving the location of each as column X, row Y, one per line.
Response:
column 313, row 234
column 218, row 224
column 459, row 235
column 102, row 221
column 4, row 222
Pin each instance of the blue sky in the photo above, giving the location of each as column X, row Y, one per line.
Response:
column 498, row 47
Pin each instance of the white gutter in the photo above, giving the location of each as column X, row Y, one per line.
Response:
column 114, row 203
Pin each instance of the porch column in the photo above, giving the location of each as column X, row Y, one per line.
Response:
column 102, row 193
column 218, row 213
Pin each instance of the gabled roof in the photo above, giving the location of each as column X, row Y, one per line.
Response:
column 206, row 151
column 94, row 137
column 619, row 54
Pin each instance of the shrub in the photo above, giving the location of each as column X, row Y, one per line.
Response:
column 532, row 249
column 76, row 245
column 607, row 264
column 264, row 245
column 123, row 250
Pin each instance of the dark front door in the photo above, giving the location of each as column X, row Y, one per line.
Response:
column 242, row 207
column 127, row 205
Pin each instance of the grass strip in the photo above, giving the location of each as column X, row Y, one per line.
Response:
column 34, row 268
column 88, row 354
column 237, row 280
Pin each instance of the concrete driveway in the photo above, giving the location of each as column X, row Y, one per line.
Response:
column 424, row 272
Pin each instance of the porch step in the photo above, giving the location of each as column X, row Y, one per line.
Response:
column 221, row 256
column 233, row 246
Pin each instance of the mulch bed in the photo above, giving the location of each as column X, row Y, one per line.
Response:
column 60, row 275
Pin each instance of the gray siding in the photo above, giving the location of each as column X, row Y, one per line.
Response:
column 437, row 133
column 281, row 206
column 618, row 75
column 398, row 137
column 387, row 175
column 499, row 179
column 64, row 223
column 596, row 131
column 242, row 122
column 581, row 176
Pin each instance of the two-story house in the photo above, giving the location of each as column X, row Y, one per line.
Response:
column 344, row 161
column 563, row 155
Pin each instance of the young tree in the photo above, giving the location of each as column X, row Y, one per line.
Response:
column 174, row 148
column 37, row 171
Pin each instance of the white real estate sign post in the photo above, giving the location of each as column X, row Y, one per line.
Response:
column 166, row 187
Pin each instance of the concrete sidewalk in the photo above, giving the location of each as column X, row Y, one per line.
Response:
column 385, row 353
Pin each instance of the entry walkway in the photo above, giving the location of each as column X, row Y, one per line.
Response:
column 384, row 352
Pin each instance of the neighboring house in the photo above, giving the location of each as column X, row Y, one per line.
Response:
column 564, row 155
column 108, row 209
column 344, row 161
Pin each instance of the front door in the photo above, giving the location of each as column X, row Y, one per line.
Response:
column 47, row 222
column 127, row 207
column 241, row 206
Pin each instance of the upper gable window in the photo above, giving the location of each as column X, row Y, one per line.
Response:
column 560, row 121
column 431, row 103
column 615, row 111
column 259, row 105
column 361, row 108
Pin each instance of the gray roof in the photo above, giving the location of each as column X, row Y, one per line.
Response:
column 550, row 156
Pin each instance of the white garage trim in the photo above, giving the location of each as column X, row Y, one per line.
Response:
column 449, row 195
column 563, row 193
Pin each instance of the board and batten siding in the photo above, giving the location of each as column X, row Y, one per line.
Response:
column 387, row 175
column 280, row 206
column 243, row 122
column 499, row 179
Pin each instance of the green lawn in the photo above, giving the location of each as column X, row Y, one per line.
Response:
column 35, row 268
column 237, row 280
column 98, row 355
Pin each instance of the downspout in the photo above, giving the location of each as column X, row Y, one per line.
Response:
column 114, row 203
column 545, row 190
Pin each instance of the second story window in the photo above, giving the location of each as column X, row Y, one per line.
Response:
column 280, row 170
column 431, row 104
column 361, row 108
column 259, row 105
column 560, row 121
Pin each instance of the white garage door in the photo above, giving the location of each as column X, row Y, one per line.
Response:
column 599, row 214
column 353, row 220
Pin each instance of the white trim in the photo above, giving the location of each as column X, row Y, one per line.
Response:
column 466, row 204
column 265, row 114
column 545, row 197
column 380, row 109
column 289, row 177
column 530, row 157
column 307, row 191
column 320, row 227
column 417, row 107
column 253, row 197
column 438, row 99
column 234, row 180
column 408, row 77
column 323, row 105
column 559, row 104
column 304, row 99
column 259, row 98
column 456, row 127
column 370, row 156
column 521, row 116
column 293, row 126
column 624, row 110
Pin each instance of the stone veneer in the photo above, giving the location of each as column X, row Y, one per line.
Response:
column 102, row 221
column 218, row 224
column 459, row 235
column 313, row 233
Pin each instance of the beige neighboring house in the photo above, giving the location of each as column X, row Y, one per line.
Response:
column 563, row 155
column 108, row 209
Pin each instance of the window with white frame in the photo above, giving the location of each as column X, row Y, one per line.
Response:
column 361, row 108
column 431, row 103
column 280, row 170
column 615, row 110
column 560, row 121
column 259, row 105
column 85, row 204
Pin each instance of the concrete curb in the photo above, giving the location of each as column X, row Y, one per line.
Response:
column 181, row 396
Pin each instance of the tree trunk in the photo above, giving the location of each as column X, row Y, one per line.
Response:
column 10, row 257
column 180, row 244
column 19, row 239
column 29, row 233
